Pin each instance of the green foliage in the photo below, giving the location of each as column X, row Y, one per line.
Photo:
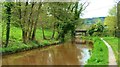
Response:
column 20, row 46
column 118, row 15
column 99, row 53
column 111, row 21
column 8, row 6
column 27, row 19
column 89, row 21
column 113, row 11
column 14, row 35
column 0, row 31
column 64, row 16
column 91, row 30
column 100, row 27
column 16, row 44
column 67, row 15
column 96, row 29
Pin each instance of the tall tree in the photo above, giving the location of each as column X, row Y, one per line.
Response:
column 68, row 15
column 30, row 20
column 36, row 21
column 23, row 14
column 8, row 6
column 24, row 31
column 111, row 21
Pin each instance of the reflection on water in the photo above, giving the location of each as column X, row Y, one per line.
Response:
column 63, row 54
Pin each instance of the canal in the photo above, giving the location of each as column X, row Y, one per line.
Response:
column 62, row 54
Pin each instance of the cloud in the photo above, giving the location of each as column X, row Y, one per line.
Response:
column 98, row 8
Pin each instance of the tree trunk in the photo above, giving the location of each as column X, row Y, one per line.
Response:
column 24, row 36
column 73, row 36
column 63, row 37
column 24, row 31
column 43, row 33
column 8, row 12
column 7, row 32
column 30, row 25
column 35, row 24
column 30, row 32
column 34, row 31
column 58, row 35
column 53, row 32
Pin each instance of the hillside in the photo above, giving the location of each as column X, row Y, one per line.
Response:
column 89, row 21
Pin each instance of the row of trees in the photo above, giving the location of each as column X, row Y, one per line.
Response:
column 30, row 15
column 21, row 14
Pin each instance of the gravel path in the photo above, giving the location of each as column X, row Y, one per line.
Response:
column 112, row 60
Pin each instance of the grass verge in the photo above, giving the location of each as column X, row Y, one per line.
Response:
column 19, row 46
column 99, row 54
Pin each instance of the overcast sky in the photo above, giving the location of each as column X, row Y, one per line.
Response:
column 98, row 8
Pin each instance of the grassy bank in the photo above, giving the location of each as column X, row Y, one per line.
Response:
column 99, row 54
column 16, row 44
column 16, row 34
column 113, row 41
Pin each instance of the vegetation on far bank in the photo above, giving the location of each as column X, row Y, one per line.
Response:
column 16, row 44
column 38, row 23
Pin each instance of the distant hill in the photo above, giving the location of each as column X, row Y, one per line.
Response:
column 90, row 21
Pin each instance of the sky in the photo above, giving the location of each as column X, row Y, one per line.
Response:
column 98, row 8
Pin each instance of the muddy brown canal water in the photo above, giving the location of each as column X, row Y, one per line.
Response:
column 62, row 54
